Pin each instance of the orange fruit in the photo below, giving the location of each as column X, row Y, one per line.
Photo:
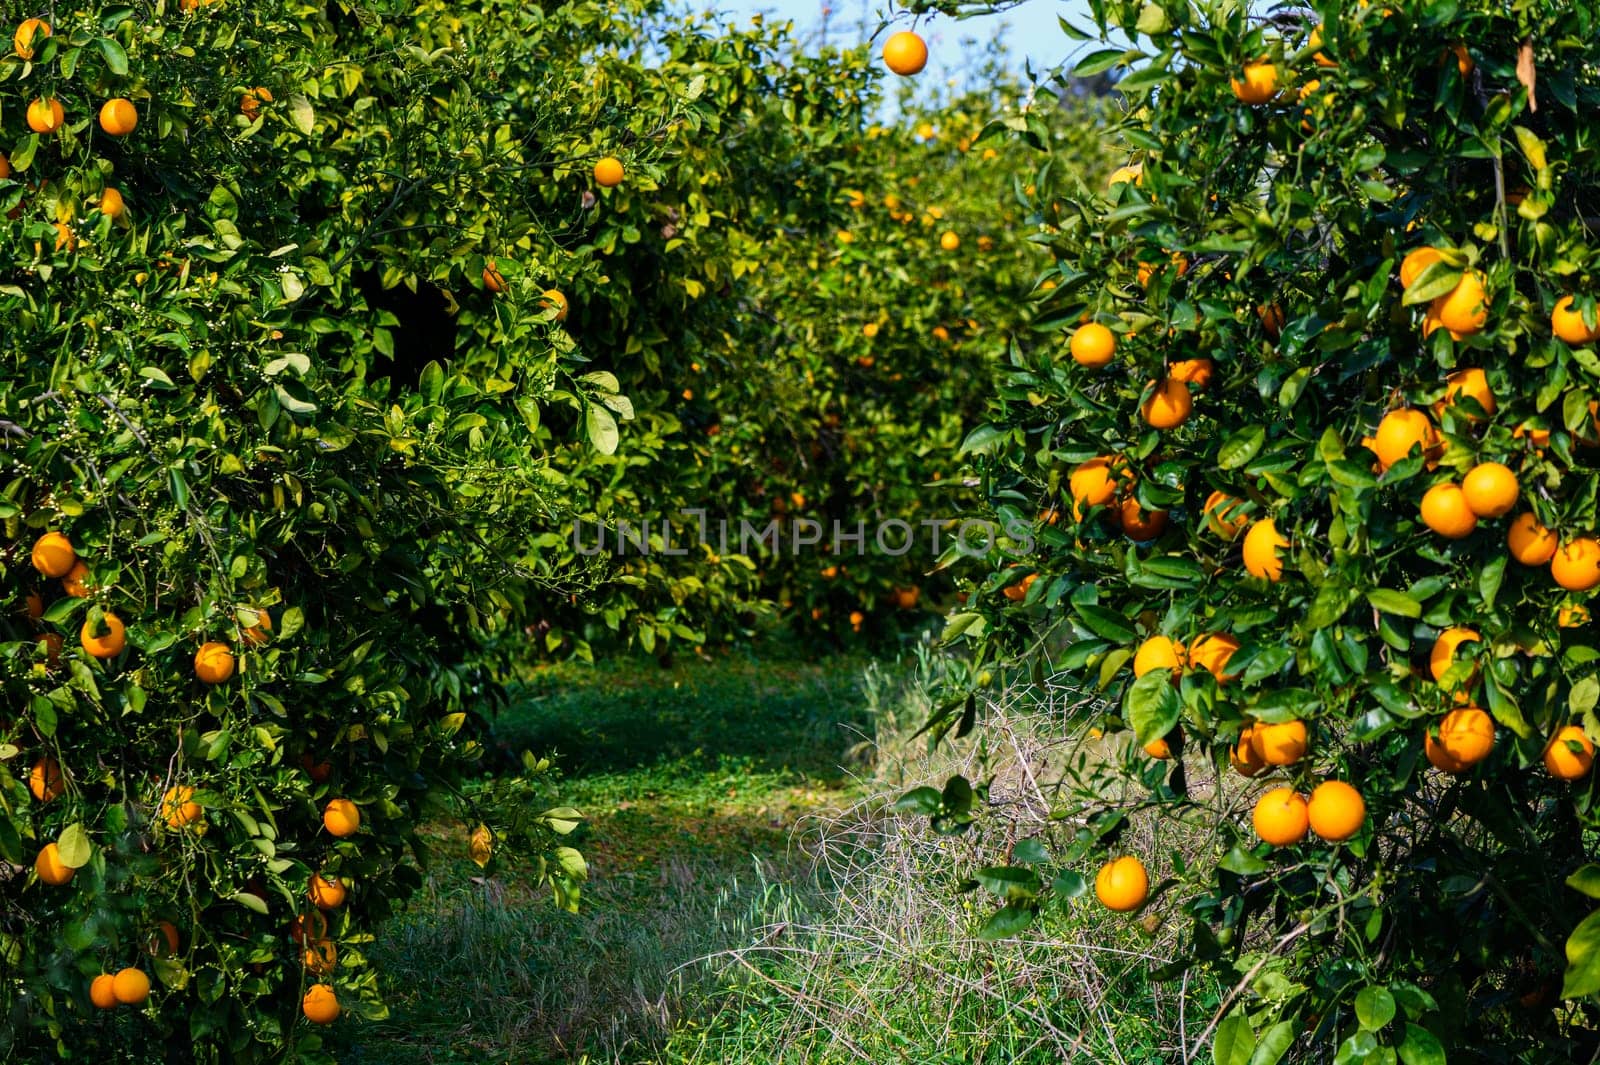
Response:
column 1224, row 515
column 1014, row 592
column 213, row 662
column 1466, row 736
column 1122, row 884
column 1464, row 309
column 131, row 986
column 905, row 53
column 53, row 555
column 53, row 644
column 31, row 32
column 1161, row 746
column 326, row 894
column 101, row 992
column 1094, row 483
column 1529, row 542
column 1336, row 810
column 1211, row 652
column 1576, row 565
column 1196, row 372
column 50, row 868
column 1571, row 615
column 310, row 926
column 45, row 116
column 1445, row 511
column 608, row 172
column 257, row 634
column 1464, row 64
column 118, row 117
column 1399, row 432
column 949, row 241
column 163, row 941
column 1470, row 382
column 1168, row 406
column 1272, row 319
column 493, row 279
column 1444, row 649
column 1416, row 261
column 251, row 101
column 1132, row 174
column 1147, row 271
column 1562, row 761
column 106, row 645
column 178, row 808
column 44, row 779
column 319, row 772
column 1491, row 489
column 33, row 606
column 1281, row 744
column 1280, row 817
column 322, row 956
column 1257, row 84
column 1567, row 324
column 1140, row 525
column 1537, row 435
column 1314, row 41
column 341, row 817
column 1092, row 345
column 553, row 298
column 1244, row 757
column 321, row 1005
column 1158, row 652
column 1261, row 545
column 111, row 204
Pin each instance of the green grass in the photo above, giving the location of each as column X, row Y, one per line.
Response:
column 692, row 779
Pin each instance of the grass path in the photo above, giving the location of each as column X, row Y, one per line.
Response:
column 692, row 779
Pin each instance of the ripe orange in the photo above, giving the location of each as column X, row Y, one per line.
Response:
column 118, row 117
column 1224, row 515
column 1529, row 542
column 1261, row 544
column 164, row 941
column 1272, row 319
column 257, row 634
column 608, row 172
column 905, row 53
column 1466, row 736
column 105, row 645
column 101, row 992
column 1445, row 511
column 1244, row 757
column 1196, row 372
column 178, row 808
column 1211, row 652
column 319, row 772
column 1015, row 592
column 1464, row 64
column 1464, row 309
column 1562, row 761
column 131, row 986
column 45, row 116
column 326, row 894
column 1416, row 261
column 341, row 817
column 1168, row 406
column 1314, row 42
column 1336, row 810
column 1399, row 432
column 309, row 927
column 50, row 868
column 1258, row 83
column 1094, row 483
column 322, row 956
column 1158, row 652
column 1491, row 489
column 949, row 241
column 1146, row 271
column 552, row 298
column 321, row 1005
column 1472, row 383
column 1571, row 615
column 1122, row 884
column 1140, row 525
column 30, row 33
column 53, row 555
column 493, row 279
column 1567, row 324
column 213, row 662
column 1576, row 565
column 44, row 780
column 1281, row 817
column 1092, row 345
column 1282, row 744
column 53, row 644
column 1444, row 649
column 1162, row 746
column 250, row 102
column 111, row 203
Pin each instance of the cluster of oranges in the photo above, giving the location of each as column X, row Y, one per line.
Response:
column 54, row 557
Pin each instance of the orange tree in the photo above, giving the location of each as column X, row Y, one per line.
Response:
column 1322, row 421
column 288, row 339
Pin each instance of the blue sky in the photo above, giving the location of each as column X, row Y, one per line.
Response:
column 1030, row 30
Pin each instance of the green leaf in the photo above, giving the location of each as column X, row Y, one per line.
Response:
column 1584, row 695
column 1275, row 1043
column 301, row 114
column 1098, row 62
column 1008, row 881
column 250, row 901
column 924, row 801
column 116, row 58
column 293, row 620
column 1106, row 624
column 602, row 429
column 1234, row 1042
column 74, row 847
column 1583, row 959
column 1152, row 706
column 1006, row 922
column 1586, row 880
column 1421, row 1047
column 1375, row 1007
column 1392, row 602
column 1241, row 447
